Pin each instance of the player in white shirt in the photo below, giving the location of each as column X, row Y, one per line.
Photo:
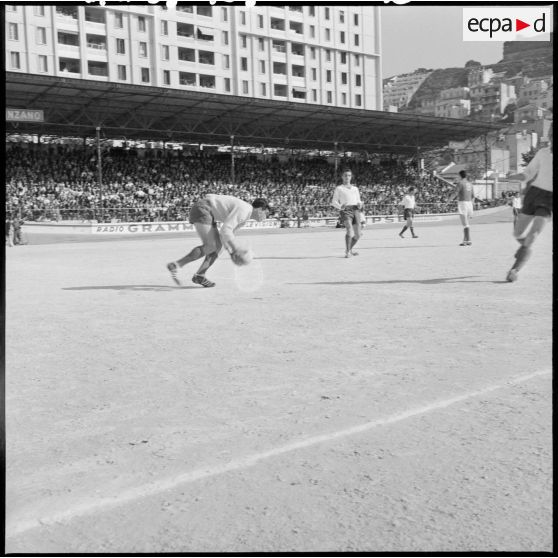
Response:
column 537, row 205
column 409, row 204
column 346, row 198
column 232, row 213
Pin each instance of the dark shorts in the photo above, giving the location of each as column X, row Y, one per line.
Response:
column 537, row 202
column 351, row 215
column 200, row 212
column 408, row 213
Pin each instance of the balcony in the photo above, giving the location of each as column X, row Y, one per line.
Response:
column 67, row 12
column 297, row 71
column 277, row 24
column 279, row 68
column 93, row 15
column 206, row 57
column 207, row 82
column 205, row 34
column 297, row 49
column 96, row 42
column 297, row 27
column 279, row 46
column 68, row 39
column 187, row 78
column 186, row 54
column 279, row 90
column 97, row 69
column 69, row 66
column 185, row 30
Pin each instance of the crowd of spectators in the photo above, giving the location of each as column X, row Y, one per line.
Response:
column 58, row 182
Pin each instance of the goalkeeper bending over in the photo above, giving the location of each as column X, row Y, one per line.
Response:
column 204, row 214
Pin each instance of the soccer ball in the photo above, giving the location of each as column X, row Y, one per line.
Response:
column 241, row 257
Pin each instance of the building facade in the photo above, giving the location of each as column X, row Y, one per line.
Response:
column 398, row 90
column 328, row 55
column 489, row 100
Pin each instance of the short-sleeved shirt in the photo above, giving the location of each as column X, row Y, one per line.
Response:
column 231, row 212
column 409, row 201
column 516, row 202
column 539, row 170
column 345, row 195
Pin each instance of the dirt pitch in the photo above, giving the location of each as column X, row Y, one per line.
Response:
column 397, row 401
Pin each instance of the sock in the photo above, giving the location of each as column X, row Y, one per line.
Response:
column 348, row 241
column 412, row 231
column 404, row 229
column 466, row 235
column 521, row 257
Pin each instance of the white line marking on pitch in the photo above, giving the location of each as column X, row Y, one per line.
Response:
column 93, row 505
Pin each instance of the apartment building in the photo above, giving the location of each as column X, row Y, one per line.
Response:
column 398, row 90
column 327, row 55
column 489, row 100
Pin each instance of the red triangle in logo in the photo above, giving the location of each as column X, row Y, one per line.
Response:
column 519, row 25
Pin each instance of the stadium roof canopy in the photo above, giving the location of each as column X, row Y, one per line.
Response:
column 75, row 107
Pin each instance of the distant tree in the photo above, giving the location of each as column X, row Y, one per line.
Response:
column 472, row 64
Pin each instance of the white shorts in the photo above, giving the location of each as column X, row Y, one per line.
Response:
column 465, row 208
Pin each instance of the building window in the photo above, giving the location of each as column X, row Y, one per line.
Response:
column 14, row 61
column 166, row 77
column 165, row 55
column 356, row 19
column 344, row 98
column 120, row 46
column 207, row 81
column 118, row 20
column 280, row 90
column 185, row 30
column 311, row 11
column 297, row 71
column 225, row 37
column 185, row 9
column 312, row 31
column 206, row 11
column 326, row 13
column 43, row 63
column 145, row 75
column 297, row 48
column 39, row 11
column 342, row 37
column 357, row 60
column 244, row 64
column 314, row 74
column 343, row 58
column 315, row 95
column 327, row 35
column 69, row 65
column 242, row 18
column 357, row 39
column 206, row 57
column 244, row 87
column 97, row 68
column 329, row 97
column 297, row 27
column 279, row 68
column 262, row 66
column 261, row 44
column 243, row 41
column 13, row 32
column 313, row 53
column 41, row 36
column 226, row 61
column 260, row 21
column 358, row 80
column 341, row 16
column 358, row 100
column 186, row 78
column 141, row 24
column 344, row 78
column 228, row 84
column 186, row 54
column 224, row 14
column 164, row 27
column 143, row 50
column 328, row 55
column 263, row 89
column 328, row 76
column 11, row 8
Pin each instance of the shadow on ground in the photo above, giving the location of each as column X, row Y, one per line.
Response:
column 130, row 288
column 412, row 281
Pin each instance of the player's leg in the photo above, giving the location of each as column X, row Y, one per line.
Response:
column 464, row 217
column 522, row 224
column 410, row 225
column 349, row 233
column 406, row 226
column 523, row 254
column 211, row 248
column 357, row 232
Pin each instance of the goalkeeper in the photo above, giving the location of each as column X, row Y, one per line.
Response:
column 232, row 213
